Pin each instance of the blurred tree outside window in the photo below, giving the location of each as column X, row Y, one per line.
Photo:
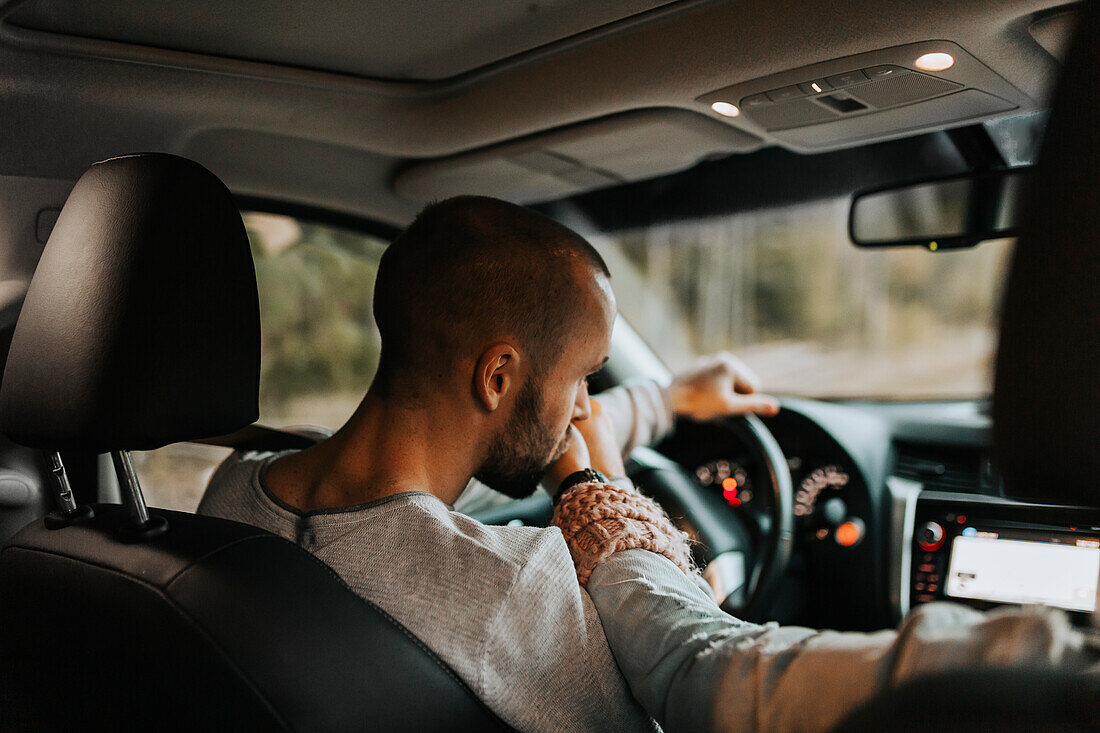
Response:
column 812, row 314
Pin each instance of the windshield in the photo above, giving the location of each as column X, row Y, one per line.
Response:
column 704, row 261
column 786, row 291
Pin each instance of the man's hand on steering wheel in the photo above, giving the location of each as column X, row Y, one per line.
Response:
column 719, row 385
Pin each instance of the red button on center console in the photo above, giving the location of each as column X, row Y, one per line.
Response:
column 930, row 538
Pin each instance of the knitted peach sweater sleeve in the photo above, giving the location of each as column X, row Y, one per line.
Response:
column 599, row 520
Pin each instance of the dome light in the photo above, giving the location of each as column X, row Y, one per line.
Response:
column 934, row 62
column 725, row 109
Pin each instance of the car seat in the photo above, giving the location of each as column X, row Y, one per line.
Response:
column 141, row 328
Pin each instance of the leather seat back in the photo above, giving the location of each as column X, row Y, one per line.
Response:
column 1046, row 399
column 215, row 625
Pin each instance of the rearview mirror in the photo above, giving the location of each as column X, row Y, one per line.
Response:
column 940, row 214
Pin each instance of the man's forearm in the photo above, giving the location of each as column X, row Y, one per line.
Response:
column 694, row 667
column 640, row 412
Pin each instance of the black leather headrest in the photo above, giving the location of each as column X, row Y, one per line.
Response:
column 1046, row 404
column 141, row 323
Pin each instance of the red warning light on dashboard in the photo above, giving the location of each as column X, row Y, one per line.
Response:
column 729, row 491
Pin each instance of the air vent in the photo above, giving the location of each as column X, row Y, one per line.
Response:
column 941, row 468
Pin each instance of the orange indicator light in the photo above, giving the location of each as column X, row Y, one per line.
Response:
column 729, row 491
column 848, row 534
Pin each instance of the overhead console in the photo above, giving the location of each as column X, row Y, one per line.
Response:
column 582, row 157
column 983, row 552
column 869, row 96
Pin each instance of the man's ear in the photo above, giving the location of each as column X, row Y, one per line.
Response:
column 496, row 373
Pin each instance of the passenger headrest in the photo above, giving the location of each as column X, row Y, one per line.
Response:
column 1046, row 397
column 141, row 323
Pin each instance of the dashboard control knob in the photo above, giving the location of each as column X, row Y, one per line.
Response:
column 834, row 511
column 930, row 538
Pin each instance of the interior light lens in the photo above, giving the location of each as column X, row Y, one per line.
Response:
column 934, row 62
column 725, row 109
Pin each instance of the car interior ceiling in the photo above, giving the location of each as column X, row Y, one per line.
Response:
column 381, row 141
column 361, row 135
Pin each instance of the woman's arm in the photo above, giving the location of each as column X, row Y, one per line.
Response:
column 694, row 667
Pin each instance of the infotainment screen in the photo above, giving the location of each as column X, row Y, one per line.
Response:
column 1054, row 569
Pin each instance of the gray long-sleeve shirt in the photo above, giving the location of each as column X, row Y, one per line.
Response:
column 501, row 605
column 696, row 668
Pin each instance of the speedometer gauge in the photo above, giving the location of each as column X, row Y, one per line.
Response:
column 730, row 477
column 819, row 480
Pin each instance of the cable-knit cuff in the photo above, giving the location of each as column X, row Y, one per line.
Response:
column 601, row 519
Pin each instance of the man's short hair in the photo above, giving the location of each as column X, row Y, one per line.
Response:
column 470, row 270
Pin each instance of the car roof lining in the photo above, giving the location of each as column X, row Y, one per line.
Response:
column 429, row 40
column 340, row 139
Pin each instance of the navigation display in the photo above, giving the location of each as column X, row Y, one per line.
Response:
column 1056, row 569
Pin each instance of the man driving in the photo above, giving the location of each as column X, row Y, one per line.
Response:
column 492, row 317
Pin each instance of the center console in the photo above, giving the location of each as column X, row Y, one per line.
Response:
column 985, row 551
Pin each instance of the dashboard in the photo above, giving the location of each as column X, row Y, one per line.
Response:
column 896, row 505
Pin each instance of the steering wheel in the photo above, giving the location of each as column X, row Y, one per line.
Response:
column 745, row 574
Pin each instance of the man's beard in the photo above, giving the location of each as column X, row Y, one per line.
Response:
column 518, row 457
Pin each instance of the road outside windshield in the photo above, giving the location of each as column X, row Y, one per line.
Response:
column 813, row 315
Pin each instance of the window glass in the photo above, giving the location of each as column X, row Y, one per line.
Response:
column 319, row 344
column 813, row 315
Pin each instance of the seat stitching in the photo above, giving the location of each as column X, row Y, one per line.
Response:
column 210, row 554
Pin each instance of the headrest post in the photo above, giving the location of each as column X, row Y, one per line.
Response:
column 64, row 488
column 142, row 526
column 68, row 511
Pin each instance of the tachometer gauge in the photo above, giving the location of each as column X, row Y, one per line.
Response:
column 730, row 477
column 817, row 481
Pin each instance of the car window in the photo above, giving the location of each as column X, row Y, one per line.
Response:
column 813, row 315
column 319, row 344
